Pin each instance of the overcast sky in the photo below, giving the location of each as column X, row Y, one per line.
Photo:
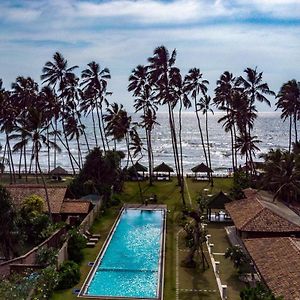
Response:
column 214, row 35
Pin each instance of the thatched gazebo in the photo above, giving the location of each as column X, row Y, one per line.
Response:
column 163, row 168
column 217, row 202
column 137, row 168
column 202, row 168
column 59, row 171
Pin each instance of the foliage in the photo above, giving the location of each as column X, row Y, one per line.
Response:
column 258, row 292
column 8, row 224
column 100, row 169
column 46, row 256
column 32, row 204
column 75, row 245
column 240, row 182
column 15, row 287
column 282, row 173
column 236, row 254
column 69, row 275
column 47, row 281
column 115, row 200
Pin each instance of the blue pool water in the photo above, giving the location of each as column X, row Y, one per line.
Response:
column 130, row 264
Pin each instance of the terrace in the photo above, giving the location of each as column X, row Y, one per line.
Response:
column 180, row 282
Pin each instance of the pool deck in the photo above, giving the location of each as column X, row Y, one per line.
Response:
column 82, row 293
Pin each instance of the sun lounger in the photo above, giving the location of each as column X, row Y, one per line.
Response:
column 93, row 235
column 91, row 239
column 91, row 244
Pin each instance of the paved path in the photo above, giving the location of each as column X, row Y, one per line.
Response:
column 188, row 192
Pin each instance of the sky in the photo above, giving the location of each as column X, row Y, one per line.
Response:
column 213, row 35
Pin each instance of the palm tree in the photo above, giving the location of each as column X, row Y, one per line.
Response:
column 282, row 174
column 142, row 90
column 57, row 75
column 289, row 103
column 95, row 81
column 196, row 85
column 36, row 132
column 8, row 114
column 226, row 87
column 165, row 78
column 24, row 94
column 204, row 106
column 118, row 125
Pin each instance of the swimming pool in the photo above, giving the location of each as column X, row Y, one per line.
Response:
column 130, row 263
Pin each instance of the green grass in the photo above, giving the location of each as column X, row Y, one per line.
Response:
column 228, row 274
column 167, row 193
column 31, row 179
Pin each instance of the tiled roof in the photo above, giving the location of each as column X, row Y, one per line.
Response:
column 278, row 262
column 254, row 214
column 56, row 195
column 75, row 207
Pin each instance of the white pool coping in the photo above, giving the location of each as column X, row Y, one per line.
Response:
column 161, row 262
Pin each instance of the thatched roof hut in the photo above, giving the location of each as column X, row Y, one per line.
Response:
column 58, row 171
column 163, row 168
column 202, row 168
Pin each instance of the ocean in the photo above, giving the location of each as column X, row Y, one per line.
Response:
column 269, row 129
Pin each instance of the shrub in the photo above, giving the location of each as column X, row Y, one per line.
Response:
column 32, row 204
column 115, row 200
column 46, row 256
column 69, row 275
column 75, row 245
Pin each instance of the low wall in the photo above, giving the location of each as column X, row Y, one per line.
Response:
column 30, row 257
column 90, row 218
column 83, row 227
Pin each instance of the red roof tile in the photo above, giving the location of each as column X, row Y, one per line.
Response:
column 278, row 262
column 56, row 195
column 254, row 214
column 75, row 207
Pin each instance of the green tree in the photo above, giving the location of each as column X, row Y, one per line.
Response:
column 259, row 292
column 8, row 232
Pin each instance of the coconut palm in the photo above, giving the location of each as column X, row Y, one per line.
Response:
column 24, row 94
column 289, row 103
column 165, row 78
column 58, row 75
column 282, row 174
column 144, row 101
column 195, row 85
column 36, row 132
column 204, row 106
column 118, row 125
column 95, row 82
column 226, row 87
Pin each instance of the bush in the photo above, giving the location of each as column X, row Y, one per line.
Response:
column 75, row 245
column 115, row 200
column 32, row 204
column 46, row 256
column 69, row 275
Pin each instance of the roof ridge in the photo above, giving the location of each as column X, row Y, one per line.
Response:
column 295, row 244
column 261, row 209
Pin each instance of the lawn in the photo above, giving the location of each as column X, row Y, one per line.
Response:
column 203, row 283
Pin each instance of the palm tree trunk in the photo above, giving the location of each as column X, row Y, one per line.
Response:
column 79, row 153
column 85, row 137
column 290, row 134
column 200, row 130
column 181, row 156
column 20, row 161
column 135, row 171
column 149, row 156
column 100, row 129
column 11, row 159
column 68, row 149
column 55, row 140
column 295, row 126
column 45, row 187
column 48, row 151
column 208, row 149
column 103, row 127
column 94, row 128
column 25, row 163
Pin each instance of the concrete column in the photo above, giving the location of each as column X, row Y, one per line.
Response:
column 217, row 267
column 224, row 291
